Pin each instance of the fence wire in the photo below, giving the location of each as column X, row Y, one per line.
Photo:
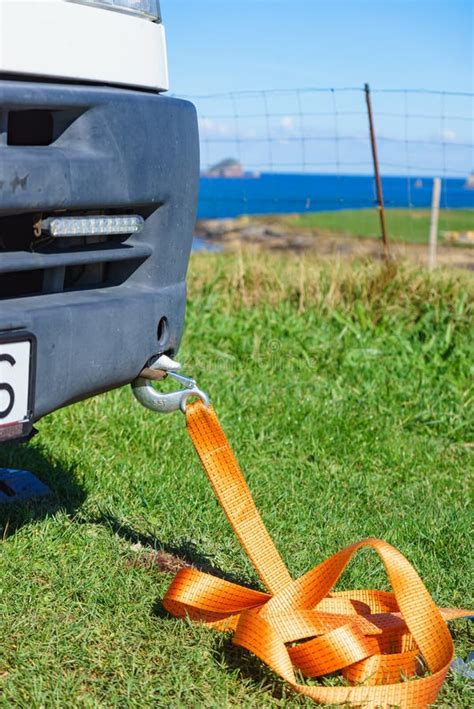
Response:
column 308, row 150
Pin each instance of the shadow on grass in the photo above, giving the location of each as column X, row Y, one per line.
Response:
column 67, row 494
column 169, row 559
column 163, row 556
column 248, row 667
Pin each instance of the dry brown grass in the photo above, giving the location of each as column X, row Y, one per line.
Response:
column 250, row 277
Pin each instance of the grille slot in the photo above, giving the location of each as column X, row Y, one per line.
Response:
column 26, row 273
column 38, row 127
column 32, row 263
column 14, row 285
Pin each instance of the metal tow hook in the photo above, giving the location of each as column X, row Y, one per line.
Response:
column 167, row 402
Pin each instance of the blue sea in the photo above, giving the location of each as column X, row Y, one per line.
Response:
column 271, row 193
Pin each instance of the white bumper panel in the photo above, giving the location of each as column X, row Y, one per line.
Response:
column 64, row 40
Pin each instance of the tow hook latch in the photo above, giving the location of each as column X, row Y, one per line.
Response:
column 166, row 402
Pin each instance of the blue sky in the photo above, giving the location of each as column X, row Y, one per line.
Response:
column 218, row 46
column 222, row 45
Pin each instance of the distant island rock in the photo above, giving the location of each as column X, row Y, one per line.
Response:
column 229, row 167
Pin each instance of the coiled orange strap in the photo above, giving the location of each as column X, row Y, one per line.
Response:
column 375, row 638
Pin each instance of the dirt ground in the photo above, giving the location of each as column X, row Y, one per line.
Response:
column 269, row 234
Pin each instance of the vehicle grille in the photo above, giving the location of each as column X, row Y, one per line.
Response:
column 34, row 264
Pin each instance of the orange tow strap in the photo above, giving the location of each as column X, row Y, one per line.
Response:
column 374, row 638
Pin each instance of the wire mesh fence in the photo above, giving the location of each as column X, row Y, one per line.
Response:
column 308, row 151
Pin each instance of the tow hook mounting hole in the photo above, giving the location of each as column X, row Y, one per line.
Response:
column 162, row 331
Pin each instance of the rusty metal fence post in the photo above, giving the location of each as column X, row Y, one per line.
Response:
column 378, row 181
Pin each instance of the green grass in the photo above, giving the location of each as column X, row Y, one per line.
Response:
column 346, row 393
column 402, row 224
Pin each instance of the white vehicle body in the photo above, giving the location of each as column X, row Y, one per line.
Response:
column 67, row 40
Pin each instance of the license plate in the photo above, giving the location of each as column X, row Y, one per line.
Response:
column 16, row 384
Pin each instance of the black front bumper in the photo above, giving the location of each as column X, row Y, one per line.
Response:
column 109, row 150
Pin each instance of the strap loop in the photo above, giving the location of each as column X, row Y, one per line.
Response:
column 374, row 637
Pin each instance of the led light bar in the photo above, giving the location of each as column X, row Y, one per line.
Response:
column 92, row 226
column 146, row 8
